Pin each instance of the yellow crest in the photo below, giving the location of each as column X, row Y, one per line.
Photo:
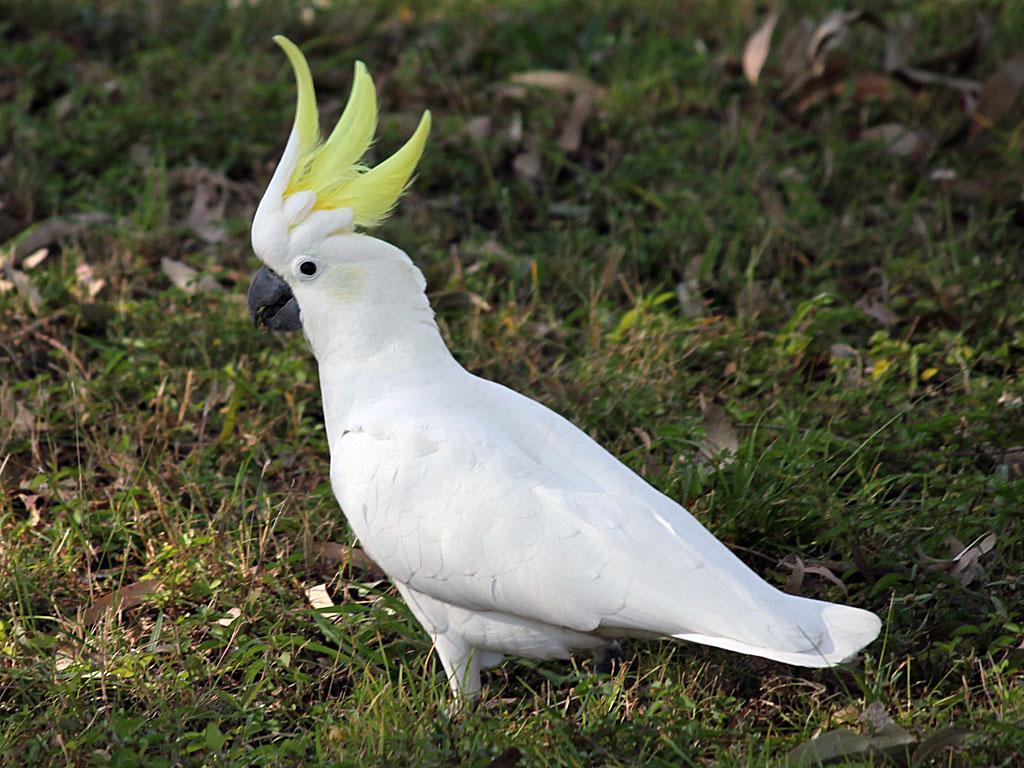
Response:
column 330, row 168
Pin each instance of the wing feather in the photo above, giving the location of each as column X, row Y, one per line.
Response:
column 499, row 504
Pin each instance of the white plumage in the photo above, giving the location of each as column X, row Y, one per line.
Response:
column 506, row 528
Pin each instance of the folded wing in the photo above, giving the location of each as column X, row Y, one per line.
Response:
column 502, row 505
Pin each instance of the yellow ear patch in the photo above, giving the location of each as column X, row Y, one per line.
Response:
column 330, row 168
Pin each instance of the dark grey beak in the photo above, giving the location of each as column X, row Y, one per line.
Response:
column 271, row 302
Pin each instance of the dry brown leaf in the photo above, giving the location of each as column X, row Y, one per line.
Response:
column 899, row 43
column 828, row 35
column 480, row 127
column 26, row 289
column 186, row 278
column 35, row 258
column 449, row 301
column 206, row 216
column 792, row 53
column 869, row 85
column 924, row 77
column 120, row 599
column 826, row 573
column 351, row 556
column 903, row 142
column 31, row 502
column 85, row 276
column 755, row 52
column 17, row 416
column 559, row 82
column 54, row 230
column 796, row 575
column 937, row 742
column 875, row 308
column 319, row 598
column 572, row 131
column 965, row 564
column 967, row 568
column 999, row 93
column 527, row 165
column 720, row 441
column 690, row 298
column 229, row 618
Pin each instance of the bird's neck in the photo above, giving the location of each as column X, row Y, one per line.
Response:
column 374, row 350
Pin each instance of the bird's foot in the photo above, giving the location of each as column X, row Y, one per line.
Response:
column 608, row 659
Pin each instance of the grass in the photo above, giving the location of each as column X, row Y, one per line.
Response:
column 147, row 430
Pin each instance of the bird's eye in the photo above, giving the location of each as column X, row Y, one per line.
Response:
column 307, row 269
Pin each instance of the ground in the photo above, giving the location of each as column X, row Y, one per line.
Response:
column 796, row 306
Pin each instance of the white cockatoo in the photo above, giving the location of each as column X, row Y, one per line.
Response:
column 506, row 528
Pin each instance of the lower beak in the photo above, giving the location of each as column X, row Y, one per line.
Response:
column 271, row 302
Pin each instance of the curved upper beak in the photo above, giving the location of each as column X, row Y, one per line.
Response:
column 271, row 302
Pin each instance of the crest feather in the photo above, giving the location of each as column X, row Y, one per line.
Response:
column 331, row 169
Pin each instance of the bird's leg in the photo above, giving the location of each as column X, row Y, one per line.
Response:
column 462, row 666
column 608, row 658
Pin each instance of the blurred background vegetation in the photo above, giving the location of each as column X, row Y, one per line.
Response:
column 770, row 256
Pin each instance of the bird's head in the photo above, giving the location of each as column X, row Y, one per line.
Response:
column 306, row 229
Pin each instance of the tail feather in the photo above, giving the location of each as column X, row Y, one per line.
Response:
column 836, row 634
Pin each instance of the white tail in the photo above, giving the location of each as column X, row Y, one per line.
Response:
column 834, row 633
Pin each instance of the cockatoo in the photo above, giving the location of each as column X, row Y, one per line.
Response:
column 505, row 527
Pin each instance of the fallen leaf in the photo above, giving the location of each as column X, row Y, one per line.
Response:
column 63, row 658
column 828, row 747
column 229, row 618
column 720, row 442
column 755, row 52
column 827, row 574
column 875, row 308
column 899, row 43
column 691, row 298
column 572, row 130
column 479, row 127
column 527, row 165
column 966, row 567
column 999, row 93
column 26, row 290
column 792, row 53
column 449, row 301
column 844, row 745
column 924, row 77
column 876, row 716
column 54, row 230
column 35, row 258
column 861, row 561
column 869, row 85
column 559, row 82
column 31, row 502
column 85, row 276
column 965, row 564
column 186, row 278
column 828, row 35
column 901, row 141
column 206, row 215
column 937, row 742
column 320, row 599
column 796, row 575
column 120, row 599
column 351, row 556
column 17, row 415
